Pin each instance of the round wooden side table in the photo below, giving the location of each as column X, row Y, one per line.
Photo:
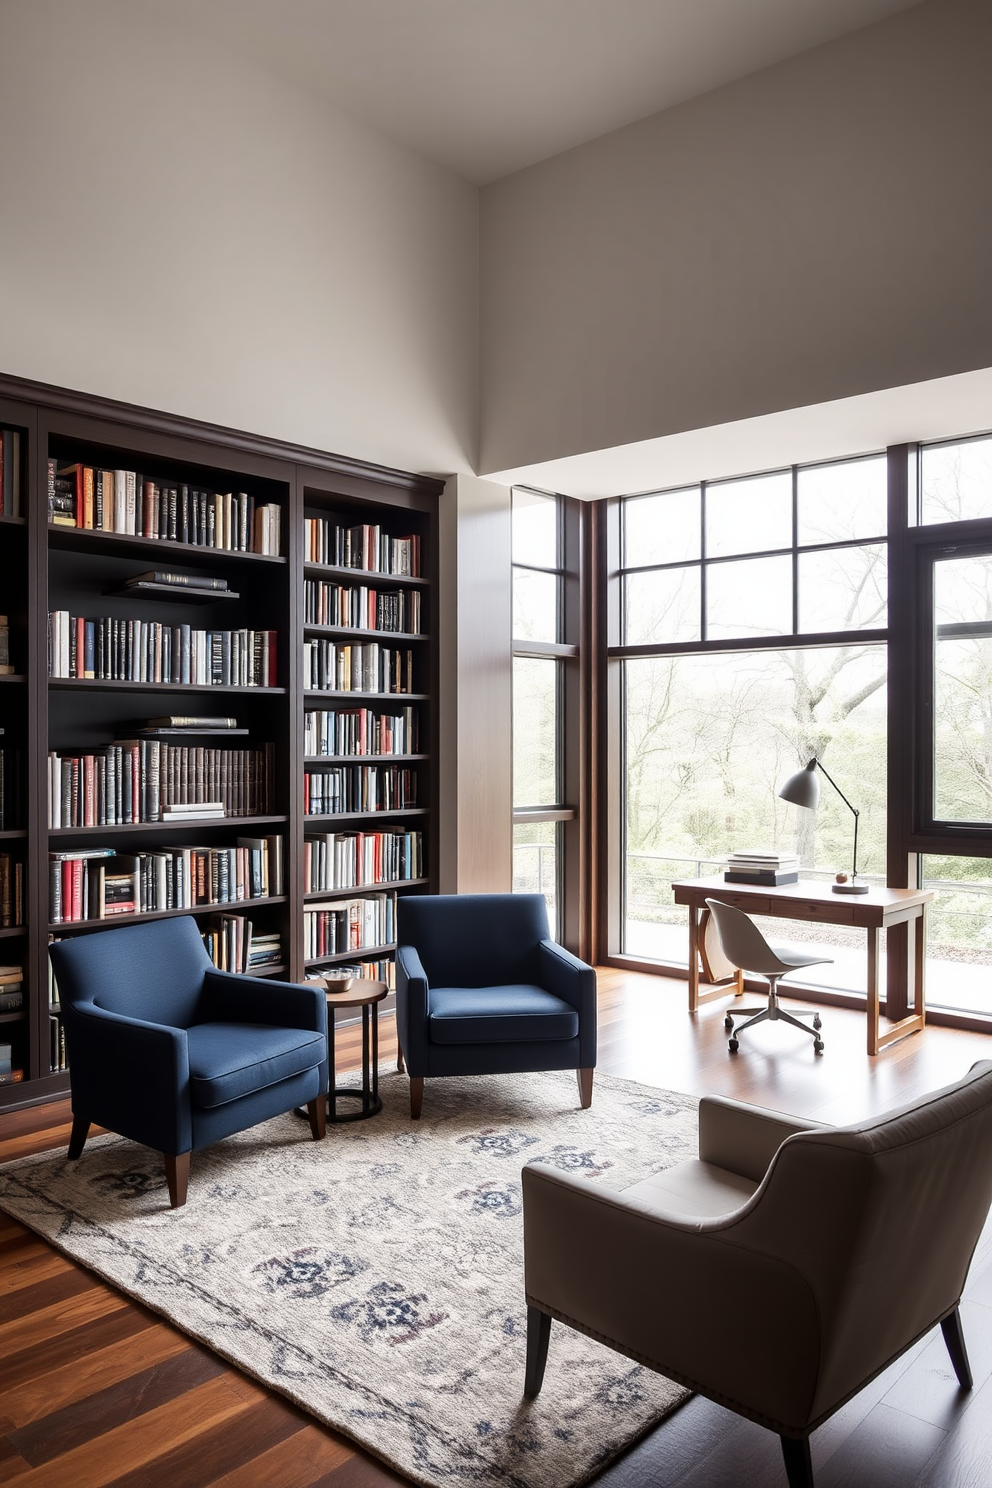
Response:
column 366, row 995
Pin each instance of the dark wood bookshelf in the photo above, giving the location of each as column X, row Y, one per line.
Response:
column 360, row 759
column 8, row 930
column 46, row 567
column 366, row 953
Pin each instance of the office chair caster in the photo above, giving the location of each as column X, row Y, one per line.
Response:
column 734, row 1045
column 818, row 1046
column 728, row 1022
column 816, row 1022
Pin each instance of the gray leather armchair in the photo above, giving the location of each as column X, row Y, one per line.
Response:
column 782, row 1270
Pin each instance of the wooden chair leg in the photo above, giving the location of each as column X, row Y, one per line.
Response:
column 798, row 1461
column 585, row 1087
column 80, row 1131
column 399, row 1059
column 317, row 1111
column 954, row 1339
column 538, row 1338
column 177, row 1177
column 416, row 1096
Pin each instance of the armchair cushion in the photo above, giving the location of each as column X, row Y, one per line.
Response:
column 228, row 1060
column 498, row 1015
column 693, row 1189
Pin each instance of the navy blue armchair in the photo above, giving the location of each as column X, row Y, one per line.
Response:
column 482, row 989
column 168, row 1051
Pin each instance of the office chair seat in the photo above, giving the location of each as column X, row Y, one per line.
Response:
column 745, row 946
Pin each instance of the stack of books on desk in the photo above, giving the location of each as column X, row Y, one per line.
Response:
column 764, row 868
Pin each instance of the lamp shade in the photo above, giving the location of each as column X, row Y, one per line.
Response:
column 803, row 788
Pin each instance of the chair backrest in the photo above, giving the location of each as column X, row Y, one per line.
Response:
column 153, row 972
column 882, row 1217
column 742, row 941
column 474, row 940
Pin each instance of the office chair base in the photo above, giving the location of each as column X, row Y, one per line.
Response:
column 774, row 1013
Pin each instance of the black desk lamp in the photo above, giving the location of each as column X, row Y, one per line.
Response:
column 803, row 789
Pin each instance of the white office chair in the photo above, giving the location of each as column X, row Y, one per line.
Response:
column 744, row 945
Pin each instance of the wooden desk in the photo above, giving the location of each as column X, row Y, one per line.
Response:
column 875, row 912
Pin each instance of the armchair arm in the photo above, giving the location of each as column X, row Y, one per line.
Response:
column 575, row 983
column 650, row 1285
column 412, row 1009
column 745, row 1138
column 131, row 1076
column 231, row 998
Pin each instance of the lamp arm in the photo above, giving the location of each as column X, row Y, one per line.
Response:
column 854, row 809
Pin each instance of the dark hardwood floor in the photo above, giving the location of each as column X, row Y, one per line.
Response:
column 97, row 1391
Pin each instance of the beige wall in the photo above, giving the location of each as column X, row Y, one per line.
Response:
column 475, row 746
column 182, row 230
column 815, row 231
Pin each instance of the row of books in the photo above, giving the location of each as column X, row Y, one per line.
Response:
column 337, row 731
column 7, row 667
column 126, row 502
column 361, row 608
column 10, row 1073
column 10, row 473
column 97, row 883
column 344, row 788
column 58, row 1060
column 11, row 989
column 148, row 780
column 762, row 867
column 11, row 891
column 344, row 860
column 329, row 666
column 11, row 788
column 349, row 925
column 233, row 945
column 364, row 546
column 147, row 651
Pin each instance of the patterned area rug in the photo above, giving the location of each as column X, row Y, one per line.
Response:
column 376, row 1277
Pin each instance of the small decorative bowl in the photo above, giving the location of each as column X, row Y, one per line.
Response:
column 339, row 981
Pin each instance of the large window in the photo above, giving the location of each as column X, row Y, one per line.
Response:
column 753, row 636
column 541, row 655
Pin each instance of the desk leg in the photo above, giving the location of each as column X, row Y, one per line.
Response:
column 874, row 959
column 919, row 967
column 693, row 958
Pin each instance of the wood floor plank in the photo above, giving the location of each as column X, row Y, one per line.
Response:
column 59, row 1432
column 95, row 1370
column 63, row 1349
column 61, row 1317
column 196, row 1462
column 888, row 1450
column 298, row 1461
column 964, row 1459
column 50, row 1291
column 13, row 1277
column 140, row 1442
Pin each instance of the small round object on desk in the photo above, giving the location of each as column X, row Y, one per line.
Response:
column 338, row 981
column 841, row 878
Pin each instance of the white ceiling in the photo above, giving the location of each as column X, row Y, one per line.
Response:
column 486, row 87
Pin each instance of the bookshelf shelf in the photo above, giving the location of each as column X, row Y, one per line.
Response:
column 184, row 824
column 100, row 684
column 230, row 906
column 49, row 567
column 368, row 576
column 364, row 953
column 125, row 545
column 352, row 631
column 321, row 895
column 357, row 697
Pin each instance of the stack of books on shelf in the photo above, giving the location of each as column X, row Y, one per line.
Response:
column 232, row 945
column 149, row 780
column 360, row 731
column 11, row 989
column 180, row 724
column 339, row 789
column 11, row 787
column 10, row 473
column 347, row 859
column 763, row 867
column 11, row 891
column 181, row 584
column 360, row 608
column 126, row 502
column 97, row 883
column 10, row 1074
column 365, row 546
column 7, row 667
column 348, row 925
column 147, row 651
column 331, row 667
